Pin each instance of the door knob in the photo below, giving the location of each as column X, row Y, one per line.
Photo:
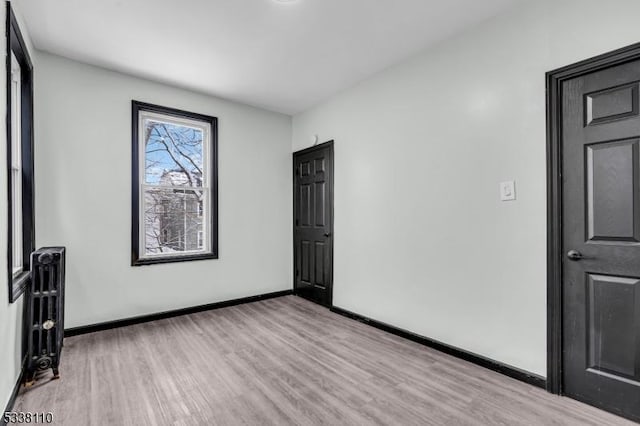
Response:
column 327, row 234
column 574, row 255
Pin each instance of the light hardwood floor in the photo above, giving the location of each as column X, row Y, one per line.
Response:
column 282, row 361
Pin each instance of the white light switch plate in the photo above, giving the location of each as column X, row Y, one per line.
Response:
column 508, row 191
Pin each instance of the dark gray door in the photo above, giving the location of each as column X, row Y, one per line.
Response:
column 601, row 238
column 313, row 223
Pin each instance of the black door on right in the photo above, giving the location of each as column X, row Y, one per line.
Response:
column 601, row 238
column 313, row 223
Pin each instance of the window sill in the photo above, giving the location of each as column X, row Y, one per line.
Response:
column 173, row 259
column 19, row 285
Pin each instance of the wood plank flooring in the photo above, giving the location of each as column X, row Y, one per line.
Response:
column 282, row 361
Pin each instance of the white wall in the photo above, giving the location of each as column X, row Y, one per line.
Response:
column 83, row 195
column 10, row 313
column 421, row 239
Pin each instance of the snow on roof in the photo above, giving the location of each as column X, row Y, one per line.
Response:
column 179, row 177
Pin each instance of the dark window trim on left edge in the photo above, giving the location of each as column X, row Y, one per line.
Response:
column 16, row 44
column 136, row 260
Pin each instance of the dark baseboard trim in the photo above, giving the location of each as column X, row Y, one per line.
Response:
column 75, row 331
column 12, row 398
column 507, row 370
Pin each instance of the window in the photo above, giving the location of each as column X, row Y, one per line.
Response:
column 21, row 238
column 174, row 208
column 16, row 167
column 200, row 239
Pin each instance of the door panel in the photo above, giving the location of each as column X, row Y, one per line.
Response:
column 313, row 223
column 321, row 254
column 305, row 205
column 613, row 191
column 319, row 192
column 305, row 263
column 612, row 322
column 601, row 226
column 612, row 104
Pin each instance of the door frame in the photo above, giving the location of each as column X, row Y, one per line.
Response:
column 555, row 250
column 329, row 144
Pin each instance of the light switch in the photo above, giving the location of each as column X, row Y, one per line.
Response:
column 508, row 191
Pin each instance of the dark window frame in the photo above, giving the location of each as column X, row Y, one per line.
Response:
column 16, row 44
column 136, row 260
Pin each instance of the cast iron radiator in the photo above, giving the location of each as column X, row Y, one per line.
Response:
column 44, row 319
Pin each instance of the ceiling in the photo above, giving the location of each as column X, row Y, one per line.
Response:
column 285, row 57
